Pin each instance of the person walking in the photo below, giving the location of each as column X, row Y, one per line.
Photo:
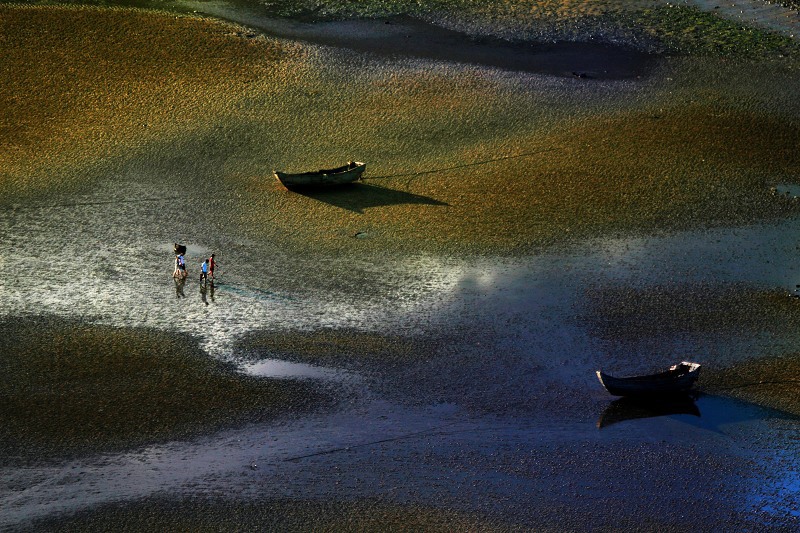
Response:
column 182, row 265
column 204, row 271
column 176, row 273
column 211, row 264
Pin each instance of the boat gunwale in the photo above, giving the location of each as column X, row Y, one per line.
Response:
column 674, row 380
column 349, row 173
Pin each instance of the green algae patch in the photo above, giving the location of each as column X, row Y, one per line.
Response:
column 772, row 382
column 336, row 9
column 208, row 514
column 690, row 30
column 623, row 313
column 69, row 387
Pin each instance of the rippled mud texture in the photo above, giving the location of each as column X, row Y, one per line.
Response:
column 772, row 382
column 84, row 84
column 622, row 313
column 334, row 346
column 70, row 387
column 494, row 182
column 205, row 514
column 459, row 160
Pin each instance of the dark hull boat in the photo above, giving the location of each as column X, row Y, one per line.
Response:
column 679, row 378
column 348, row 173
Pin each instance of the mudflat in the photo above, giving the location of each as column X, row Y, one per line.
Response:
column 418, row 349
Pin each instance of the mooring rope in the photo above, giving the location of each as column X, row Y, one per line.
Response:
column 456, row 167
column 756, row 383
column 219, row 194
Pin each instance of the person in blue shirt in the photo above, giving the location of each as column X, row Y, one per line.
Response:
column 204, row 271
column 182, row 265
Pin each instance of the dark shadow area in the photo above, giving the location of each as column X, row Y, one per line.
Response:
column 405, row 36
column 357, row 197
column 717, row 411
column 634, row 408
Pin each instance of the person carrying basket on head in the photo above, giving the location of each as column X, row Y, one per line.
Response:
column 176, row 273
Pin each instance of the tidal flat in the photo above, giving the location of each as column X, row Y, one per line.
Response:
column 71, row 388
column 552, row 187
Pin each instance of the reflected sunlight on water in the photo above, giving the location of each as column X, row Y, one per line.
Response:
column 276, row 368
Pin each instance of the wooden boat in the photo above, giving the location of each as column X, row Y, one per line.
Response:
column 331, row 176
column 679, row 378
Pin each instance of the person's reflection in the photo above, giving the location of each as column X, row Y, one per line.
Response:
column 203, row 291
column 179, row 283
column 211, row 291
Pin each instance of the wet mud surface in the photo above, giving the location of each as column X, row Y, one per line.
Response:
column 76, row 389
column 474, row 393
column 451, row 329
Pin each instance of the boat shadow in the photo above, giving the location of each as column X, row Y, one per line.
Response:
column 357, row 197
column 717, row 411
column 631, row 408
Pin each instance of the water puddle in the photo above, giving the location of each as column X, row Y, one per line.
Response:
column 789, row 190
column 277, row 368
column 409, row 37
column 629, row 409
column 717, row 414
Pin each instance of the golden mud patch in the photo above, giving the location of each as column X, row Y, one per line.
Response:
column 71, row 387
column 772, row 382
column 470, row 184
column 83, row 83
column 459, row 159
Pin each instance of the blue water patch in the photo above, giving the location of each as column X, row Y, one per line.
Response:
column 788, row 189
